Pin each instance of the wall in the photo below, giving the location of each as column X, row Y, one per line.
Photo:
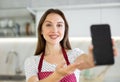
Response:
column 81, row 17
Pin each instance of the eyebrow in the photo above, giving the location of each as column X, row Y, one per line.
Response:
column 48, row 21
column 51, row 22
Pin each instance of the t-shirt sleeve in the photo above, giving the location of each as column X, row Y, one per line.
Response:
column 73, row 54
column 30, row 67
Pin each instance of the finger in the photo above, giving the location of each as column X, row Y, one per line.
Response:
column 89, row 60
column 72, row 67
column 115, row 51
column 91, row 49
column 60, row 69
column 113, row 42
column 61, row 65
column 90, row 56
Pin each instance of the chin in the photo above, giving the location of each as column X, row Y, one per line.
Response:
column 55, row 42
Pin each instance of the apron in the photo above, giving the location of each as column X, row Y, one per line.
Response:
column 67, row 78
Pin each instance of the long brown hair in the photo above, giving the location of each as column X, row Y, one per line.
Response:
column 41, row 41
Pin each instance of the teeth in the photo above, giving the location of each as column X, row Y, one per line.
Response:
column 53, row 36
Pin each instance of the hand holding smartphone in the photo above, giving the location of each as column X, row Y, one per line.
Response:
column 102, row 44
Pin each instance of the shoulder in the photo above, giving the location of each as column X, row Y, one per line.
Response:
column 30, row 66
column 31, row 63
column 73, row 54
column 76, row 51
column 32, row 59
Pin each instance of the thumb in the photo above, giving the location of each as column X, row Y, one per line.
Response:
column 91, row 49
column 91, row 55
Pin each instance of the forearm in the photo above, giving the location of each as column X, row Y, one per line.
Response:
column 58, row 74
column 54, row 77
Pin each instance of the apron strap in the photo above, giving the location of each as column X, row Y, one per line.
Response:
column 40, row 62
column 65, row 56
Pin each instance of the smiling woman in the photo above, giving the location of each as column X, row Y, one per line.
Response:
column 53, row 49
column 55, row 60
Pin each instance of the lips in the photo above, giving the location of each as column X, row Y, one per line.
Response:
column 54, row 36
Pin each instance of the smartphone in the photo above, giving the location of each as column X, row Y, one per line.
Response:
column 102, row 44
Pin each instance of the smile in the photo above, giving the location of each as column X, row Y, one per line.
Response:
column 53, row 36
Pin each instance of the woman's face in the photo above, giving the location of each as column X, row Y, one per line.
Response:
column 53, row 28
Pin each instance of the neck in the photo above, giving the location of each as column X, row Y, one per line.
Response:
column 53, row 50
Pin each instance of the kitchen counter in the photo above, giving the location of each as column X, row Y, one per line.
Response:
column 12, row 77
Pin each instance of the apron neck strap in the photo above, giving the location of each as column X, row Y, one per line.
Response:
column 65, row 56
column 40, row 62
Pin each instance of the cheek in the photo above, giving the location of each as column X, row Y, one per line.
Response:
column 44, row 31
column 63, row 32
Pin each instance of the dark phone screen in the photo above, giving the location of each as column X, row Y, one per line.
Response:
column 102, row 44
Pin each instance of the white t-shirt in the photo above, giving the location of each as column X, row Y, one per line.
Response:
column 31, row 64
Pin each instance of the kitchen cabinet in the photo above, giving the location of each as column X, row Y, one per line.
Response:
column 17, row 27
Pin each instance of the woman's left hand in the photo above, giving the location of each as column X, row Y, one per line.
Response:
column 87, row 60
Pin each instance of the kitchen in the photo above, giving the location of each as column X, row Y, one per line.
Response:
column 18, row 24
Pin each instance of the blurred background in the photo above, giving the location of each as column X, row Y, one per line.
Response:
column 18, row 33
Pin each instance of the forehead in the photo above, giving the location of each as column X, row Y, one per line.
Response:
column 54, row 17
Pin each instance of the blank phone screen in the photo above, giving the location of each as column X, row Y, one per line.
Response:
column 102, row 44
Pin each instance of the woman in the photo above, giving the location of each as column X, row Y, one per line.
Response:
column 54, row 60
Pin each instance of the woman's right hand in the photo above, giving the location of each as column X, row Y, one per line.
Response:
column 63, row 69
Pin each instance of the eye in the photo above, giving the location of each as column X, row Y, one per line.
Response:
column 48, row 25
column 59, row 25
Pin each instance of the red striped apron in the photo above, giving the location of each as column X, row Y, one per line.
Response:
column 42, row 75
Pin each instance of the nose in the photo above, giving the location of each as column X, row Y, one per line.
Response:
column 54, row 29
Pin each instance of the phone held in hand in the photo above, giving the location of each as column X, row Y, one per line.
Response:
column 102, row 44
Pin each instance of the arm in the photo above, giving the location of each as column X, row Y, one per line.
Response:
column 58, row 74
column 52, row 78
column 87, row 61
